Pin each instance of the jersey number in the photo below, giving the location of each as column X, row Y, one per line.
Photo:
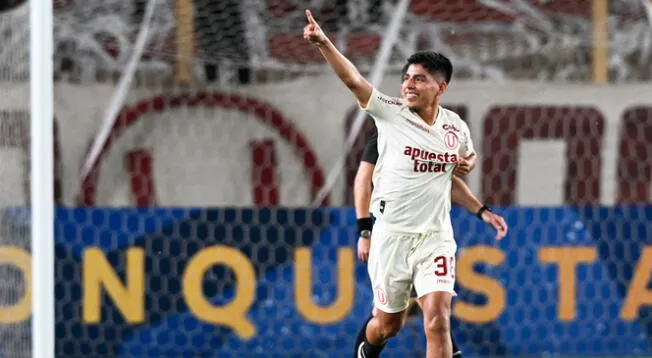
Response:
column 442, row 269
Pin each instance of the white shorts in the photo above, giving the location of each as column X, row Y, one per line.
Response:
column 397, row 261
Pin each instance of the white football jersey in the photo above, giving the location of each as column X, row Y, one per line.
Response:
column 412, row 177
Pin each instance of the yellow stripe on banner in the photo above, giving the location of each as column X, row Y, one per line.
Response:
column 600, row 41
column 185, row 41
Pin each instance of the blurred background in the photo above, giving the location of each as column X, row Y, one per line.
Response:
column 204, row 158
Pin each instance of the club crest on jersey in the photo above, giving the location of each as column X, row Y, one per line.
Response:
column 451, row 140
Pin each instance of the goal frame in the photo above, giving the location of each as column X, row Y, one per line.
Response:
column 42, row 177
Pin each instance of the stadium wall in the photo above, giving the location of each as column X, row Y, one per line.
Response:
column 199, row 148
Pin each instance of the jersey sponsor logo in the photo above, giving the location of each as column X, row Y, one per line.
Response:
column 450, row 127
column 428, row 167
column 429, row 162
column 451, row 140
column 424, row 155
column 389, row 100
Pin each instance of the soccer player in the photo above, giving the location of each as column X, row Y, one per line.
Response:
column 419, row 144
column 460, row 194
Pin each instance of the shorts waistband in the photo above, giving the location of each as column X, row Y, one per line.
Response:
column 407, row 233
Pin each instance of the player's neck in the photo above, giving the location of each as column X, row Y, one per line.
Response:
column 429, row 114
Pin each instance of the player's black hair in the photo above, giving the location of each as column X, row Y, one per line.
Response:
column 433, row 62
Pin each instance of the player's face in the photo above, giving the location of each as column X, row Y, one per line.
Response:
column 419, row 88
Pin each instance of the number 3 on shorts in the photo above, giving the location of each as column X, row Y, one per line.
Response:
column 441, row 267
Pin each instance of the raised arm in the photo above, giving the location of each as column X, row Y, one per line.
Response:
column 462, row 196
column 344, row 69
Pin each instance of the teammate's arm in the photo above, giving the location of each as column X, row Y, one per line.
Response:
column 462, row 196
column 361, row 199
column 362, row 188
column 344, row 69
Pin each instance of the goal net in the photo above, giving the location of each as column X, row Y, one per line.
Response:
column 15, row 234
column 193, row 139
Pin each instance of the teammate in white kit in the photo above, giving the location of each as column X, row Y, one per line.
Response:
column 419, row 145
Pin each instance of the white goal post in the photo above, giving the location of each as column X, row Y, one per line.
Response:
column 42, row 177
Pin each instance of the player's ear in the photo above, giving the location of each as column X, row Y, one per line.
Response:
column 442, row 88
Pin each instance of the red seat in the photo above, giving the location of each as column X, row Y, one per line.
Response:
column 362, row 45
column 456, row 11
column 473, row 11
column 280, row 8
column 294, row 48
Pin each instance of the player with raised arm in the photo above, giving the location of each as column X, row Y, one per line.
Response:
column 419, row 145
column 460, row 195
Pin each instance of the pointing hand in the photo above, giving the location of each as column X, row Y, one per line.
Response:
column 312, row 32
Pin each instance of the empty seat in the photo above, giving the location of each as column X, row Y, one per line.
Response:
column 456, row 11
column 294, row 48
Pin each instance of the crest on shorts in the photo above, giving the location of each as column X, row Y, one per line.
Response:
column 381, row 296
column 451, row 140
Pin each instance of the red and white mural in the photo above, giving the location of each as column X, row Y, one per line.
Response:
column 275, row 144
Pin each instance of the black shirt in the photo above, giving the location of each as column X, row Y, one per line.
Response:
column 370, row 154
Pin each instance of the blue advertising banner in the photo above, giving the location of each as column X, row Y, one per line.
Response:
column 200, row 282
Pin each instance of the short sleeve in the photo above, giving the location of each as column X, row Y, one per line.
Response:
column 381, row 106
column 370, row 154
column 467, row 147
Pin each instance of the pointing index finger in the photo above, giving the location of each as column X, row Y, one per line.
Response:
column 310, row 18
